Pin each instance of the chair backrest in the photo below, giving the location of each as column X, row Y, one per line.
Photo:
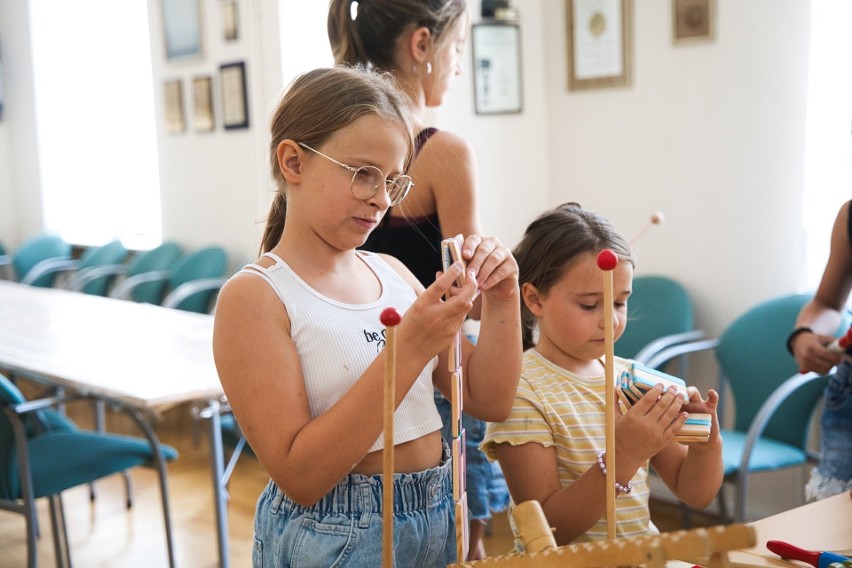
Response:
column 658, row 306
column 111, row 253
column 752, row 356
column 157, row 259
column 36, row 250
column 208, row 262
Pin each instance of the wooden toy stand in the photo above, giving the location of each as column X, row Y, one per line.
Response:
column 706, row 547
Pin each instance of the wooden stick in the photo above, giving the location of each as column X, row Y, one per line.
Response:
column 657, row 218
column 607, row 261
column 390, row 319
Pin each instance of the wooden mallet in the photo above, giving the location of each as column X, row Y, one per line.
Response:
column 390, row 318
column 607, row 261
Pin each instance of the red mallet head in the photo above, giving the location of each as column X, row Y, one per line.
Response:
column 607, row 260
column 390, row 317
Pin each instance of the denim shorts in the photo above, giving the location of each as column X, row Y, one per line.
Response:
column 344, row 528
column 485, row 485
column 833, row 474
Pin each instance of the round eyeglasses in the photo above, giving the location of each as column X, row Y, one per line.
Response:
column 367, row 180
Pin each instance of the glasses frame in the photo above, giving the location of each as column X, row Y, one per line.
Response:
column 400, row 179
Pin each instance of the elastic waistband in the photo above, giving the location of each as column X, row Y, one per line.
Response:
column 357, row 493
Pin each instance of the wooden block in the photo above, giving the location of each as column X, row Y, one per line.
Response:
column 537, row 534
column 456, row 405
column 461, row 528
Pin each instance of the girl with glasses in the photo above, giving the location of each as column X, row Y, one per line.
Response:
column 420, row 42
column 298, row 341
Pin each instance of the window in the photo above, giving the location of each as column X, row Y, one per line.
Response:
column 828, row 150
column 95, row 119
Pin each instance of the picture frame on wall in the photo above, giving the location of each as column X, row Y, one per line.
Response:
column 202, row 99
column 693, row 21
column 175, row 119
column 497, row 68
column 230, row 20
column 600, row 43
column 182, row 29
column 232, row 77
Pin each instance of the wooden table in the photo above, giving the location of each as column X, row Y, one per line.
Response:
column 142, row 357
column 824, row 525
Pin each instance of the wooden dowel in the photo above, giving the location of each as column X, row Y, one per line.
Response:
column 607, row 261
column 390, row 319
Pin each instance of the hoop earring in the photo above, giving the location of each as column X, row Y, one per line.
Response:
column 428, row 68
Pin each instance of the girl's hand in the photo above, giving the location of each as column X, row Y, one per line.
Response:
column 490, row 263
column 647, row 426
column 809, row 350
column 430, row 323
column 698, row 405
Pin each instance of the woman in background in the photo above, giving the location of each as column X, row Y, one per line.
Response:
column 420, row 43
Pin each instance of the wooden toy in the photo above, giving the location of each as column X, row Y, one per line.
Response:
column 451, row 253
column 657, row 218
column 390, row 319
column 705, row 547
column 607, row 261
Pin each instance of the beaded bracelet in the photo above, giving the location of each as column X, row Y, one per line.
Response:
column 619, row 488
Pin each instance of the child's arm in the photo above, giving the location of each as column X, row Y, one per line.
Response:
column 491, row 367
column 694, row 473
column 261, row 374
column 531, row 469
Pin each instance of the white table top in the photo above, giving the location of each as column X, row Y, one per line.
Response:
column 143, row 355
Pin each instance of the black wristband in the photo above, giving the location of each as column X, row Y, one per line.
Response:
column 796, row 332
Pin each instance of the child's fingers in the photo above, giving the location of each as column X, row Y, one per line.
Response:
column 444, row 282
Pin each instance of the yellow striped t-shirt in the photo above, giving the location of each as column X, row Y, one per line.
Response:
column 553, row 407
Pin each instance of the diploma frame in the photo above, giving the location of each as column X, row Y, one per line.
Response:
column 202, row 104
column 616, row 33
column 182, row 29
column 693, row 21
column 232, row 77
column 497, row 68
column 173, row 104
column 230, row 20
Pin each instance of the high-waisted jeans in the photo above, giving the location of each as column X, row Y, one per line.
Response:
column 344, row 528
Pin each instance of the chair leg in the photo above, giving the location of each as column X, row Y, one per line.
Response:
column 60, row 535
column 128, row 488
column 31, row 516
column 685, row 516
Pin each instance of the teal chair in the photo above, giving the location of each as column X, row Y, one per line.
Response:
column 191, row 285
column 156, row 260
column 42, row 454
column 30, row 262
column 774, row 404
column 111, row 253
column 660, row 315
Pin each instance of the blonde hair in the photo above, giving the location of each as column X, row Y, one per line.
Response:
column 319, row 103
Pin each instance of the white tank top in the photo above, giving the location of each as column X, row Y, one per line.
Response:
column 337, row 342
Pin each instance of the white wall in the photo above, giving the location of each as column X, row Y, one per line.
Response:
column 710, row 134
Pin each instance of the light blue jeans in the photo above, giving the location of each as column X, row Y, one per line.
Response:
column 833, row 475
column 344, row 528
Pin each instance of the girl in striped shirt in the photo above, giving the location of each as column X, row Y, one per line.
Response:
column 551, row 446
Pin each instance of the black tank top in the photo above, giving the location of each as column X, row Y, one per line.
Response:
column 415, row 241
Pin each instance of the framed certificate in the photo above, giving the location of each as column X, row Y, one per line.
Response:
column 599, row 43
column 175, row 120
column 234, row 99
column 202, row 99
column 497, row 68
